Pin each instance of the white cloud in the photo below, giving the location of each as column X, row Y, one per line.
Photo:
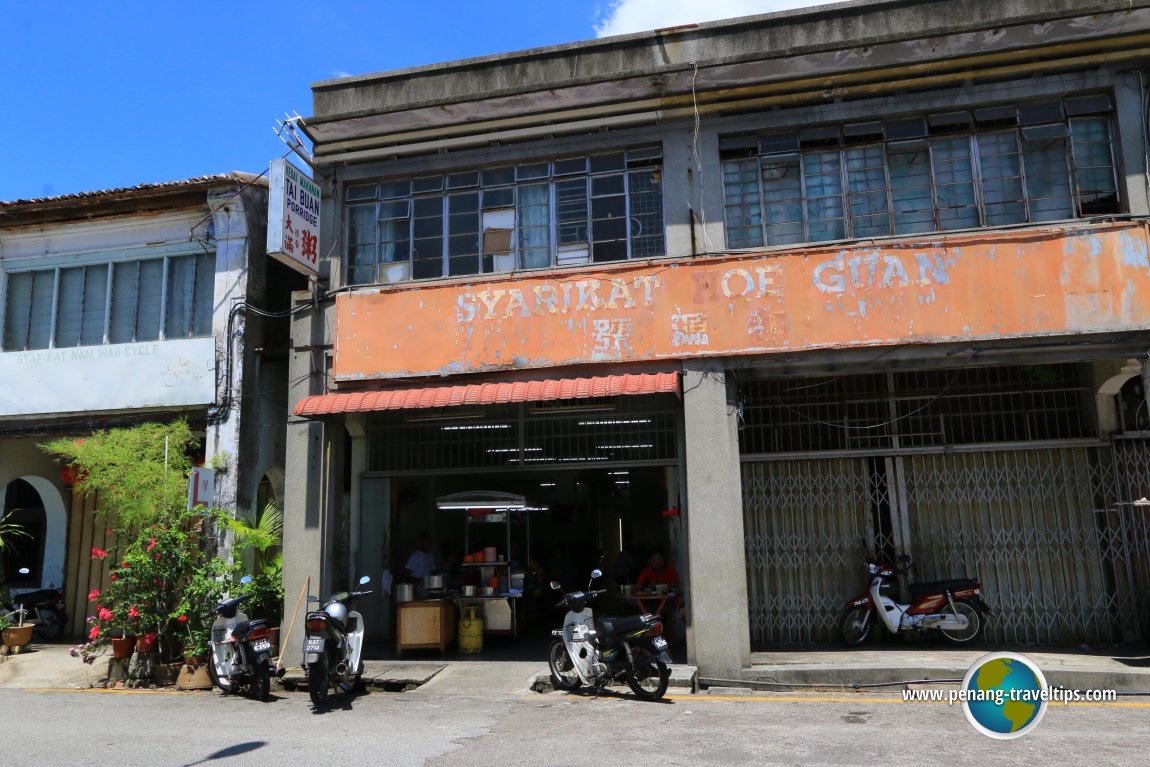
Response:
column 624, row 16
column 340, row 73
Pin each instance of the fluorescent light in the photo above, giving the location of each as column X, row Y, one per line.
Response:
column 623, row 447
column 514, row 449
column 476, row 427
column 622, row 482
column 546, row 484
column 619, row 473
column 619, row 422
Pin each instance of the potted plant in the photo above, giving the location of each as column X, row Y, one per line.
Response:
column 14, row 636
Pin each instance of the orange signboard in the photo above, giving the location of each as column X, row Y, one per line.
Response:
column 986, row 285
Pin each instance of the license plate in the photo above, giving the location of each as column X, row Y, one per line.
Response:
column 660, row 643
column 263, row 644
column 313, row 644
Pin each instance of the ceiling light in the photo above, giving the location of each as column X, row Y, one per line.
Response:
column 623, row 447
column 619, row 422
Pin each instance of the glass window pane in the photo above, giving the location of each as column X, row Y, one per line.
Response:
column 124, row 300
column 743, row 206
column 150, row 294
column 1094, row 166
column 181, row 284
column 40, row 319
column 534, row 214
column 427, row 242
column 1001, row 169
column 205, row 294
column 782, row 200
column 645, row 189
column 866, row 183
column 954, row 183
column 1048, row 179
column 822, row 175
column 17, row 306
column 95, row 305
column 69, row 306
column 571, row 210
column 910, row 187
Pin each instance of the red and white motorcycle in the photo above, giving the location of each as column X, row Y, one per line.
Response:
column 954, row 607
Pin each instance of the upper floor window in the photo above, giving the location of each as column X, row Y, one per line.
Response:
column 606, row 207
column 109, row 302
column 986, row 167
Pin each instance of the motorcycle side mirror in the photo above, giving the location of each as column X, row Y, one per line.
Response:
column 364, row 579
column 556, row 586
column 246, row 579
column 23, row 571
column 596, row 573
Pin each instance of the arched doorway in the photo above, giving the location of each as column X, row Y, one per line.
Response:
column 24, row 507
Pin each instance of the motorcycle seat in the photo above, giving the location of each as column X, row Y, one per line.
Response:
column 623, row 624
column 931, row 587
column 243, row 627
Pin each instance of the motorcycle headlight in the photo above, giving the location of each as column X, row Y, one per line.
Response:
column 872, row 568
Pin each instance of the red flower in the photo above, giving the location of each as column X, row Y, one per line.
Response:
column 105, row 614
column 133, row 612
column 95, row 632
column 182, row 619
column 93, row 595
column 113, row 576
column 151, row 543
column 99, row 553
column 150, row 637
column 125, row 564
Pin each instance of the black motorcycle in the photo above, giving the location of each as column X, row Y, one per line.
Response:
column 241, row 650
column 597, row 651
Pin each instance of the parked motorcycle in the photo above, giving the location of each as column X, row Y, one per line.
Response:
column 954, row 607
column 596, row 652
column 333, row 644
column 43, row 608
column 241, row 650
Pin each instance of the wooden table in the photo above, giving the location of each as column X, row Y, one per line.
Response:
column 424, row 625
column 637, row 599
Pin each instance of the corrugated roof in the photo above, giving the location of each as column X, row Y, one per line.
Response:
column 234, row 176
column 488, row 393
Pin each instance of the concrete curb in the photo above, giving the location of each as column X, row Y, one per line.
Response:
column 684, row 678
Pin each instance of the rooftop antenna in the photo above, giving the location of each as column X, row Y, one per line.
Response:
column 289, row 131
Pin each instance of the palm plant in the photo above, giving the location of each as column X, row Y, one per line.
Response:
column 262, row 535
column 9, row 532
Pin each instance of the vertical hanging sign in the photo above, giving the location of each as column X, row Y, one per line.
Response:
column 293, row 218
column 201, row 487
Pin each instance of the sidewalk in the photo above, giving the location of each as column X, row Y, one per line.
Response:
column 1125, row 669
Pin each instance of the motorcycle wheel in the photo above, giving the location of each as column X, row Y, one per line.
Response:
column 224, row 683
column 261, row 681
column 855, row 625
column 648, row 676
column 563, row 673
column 50, row 625
column 318, row 681
column 974, row 623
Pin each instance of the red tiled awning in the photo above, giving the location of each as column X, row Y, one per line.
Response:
column 488, row 393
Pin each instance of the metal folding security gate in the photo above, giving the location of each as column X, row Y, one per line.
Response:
column 1053, row 529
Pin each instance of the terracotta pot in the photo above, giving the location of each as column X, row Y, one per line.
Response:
column 17, row 636
column 122, row 646
column 143, row 645
column 193, row 678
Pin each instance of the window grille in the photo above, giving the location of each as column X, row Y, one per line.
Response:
column 987, row 167
column 596, row 209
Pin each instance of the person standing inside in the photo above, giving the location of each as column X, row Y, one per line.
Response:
column 421, row 563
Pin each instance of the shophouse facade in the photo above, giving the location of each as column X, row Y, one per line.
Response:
column 772, row 293
column 130, row 305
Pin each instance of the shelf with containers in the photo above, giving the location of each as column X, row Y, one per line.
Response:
column 488, row 509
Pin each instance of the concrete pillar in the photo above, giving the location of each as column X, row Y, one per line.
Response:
column 304, row 483
column 1128, row 95
column 718, row 628
column 690, row 189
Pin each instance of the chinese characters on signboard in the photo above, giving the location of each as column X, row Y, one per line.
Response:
column 293, row 218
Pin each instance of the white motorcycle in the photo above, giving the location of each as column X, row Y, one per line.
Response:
column 596, row 652
column 333, row 645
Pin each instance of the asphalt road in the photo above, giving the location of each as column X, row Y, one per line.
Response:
column 440, row 728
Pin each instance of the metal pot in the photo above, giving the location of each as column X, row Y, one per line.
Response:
column 404, row 592
column 468, row 591
column 433, row 582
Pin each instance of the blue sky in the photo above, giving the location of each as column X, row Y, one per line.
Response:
column 103, row 95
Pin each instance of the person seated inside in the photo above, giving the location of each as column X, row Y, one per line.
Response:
column 421, row 562
column 657, row 572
